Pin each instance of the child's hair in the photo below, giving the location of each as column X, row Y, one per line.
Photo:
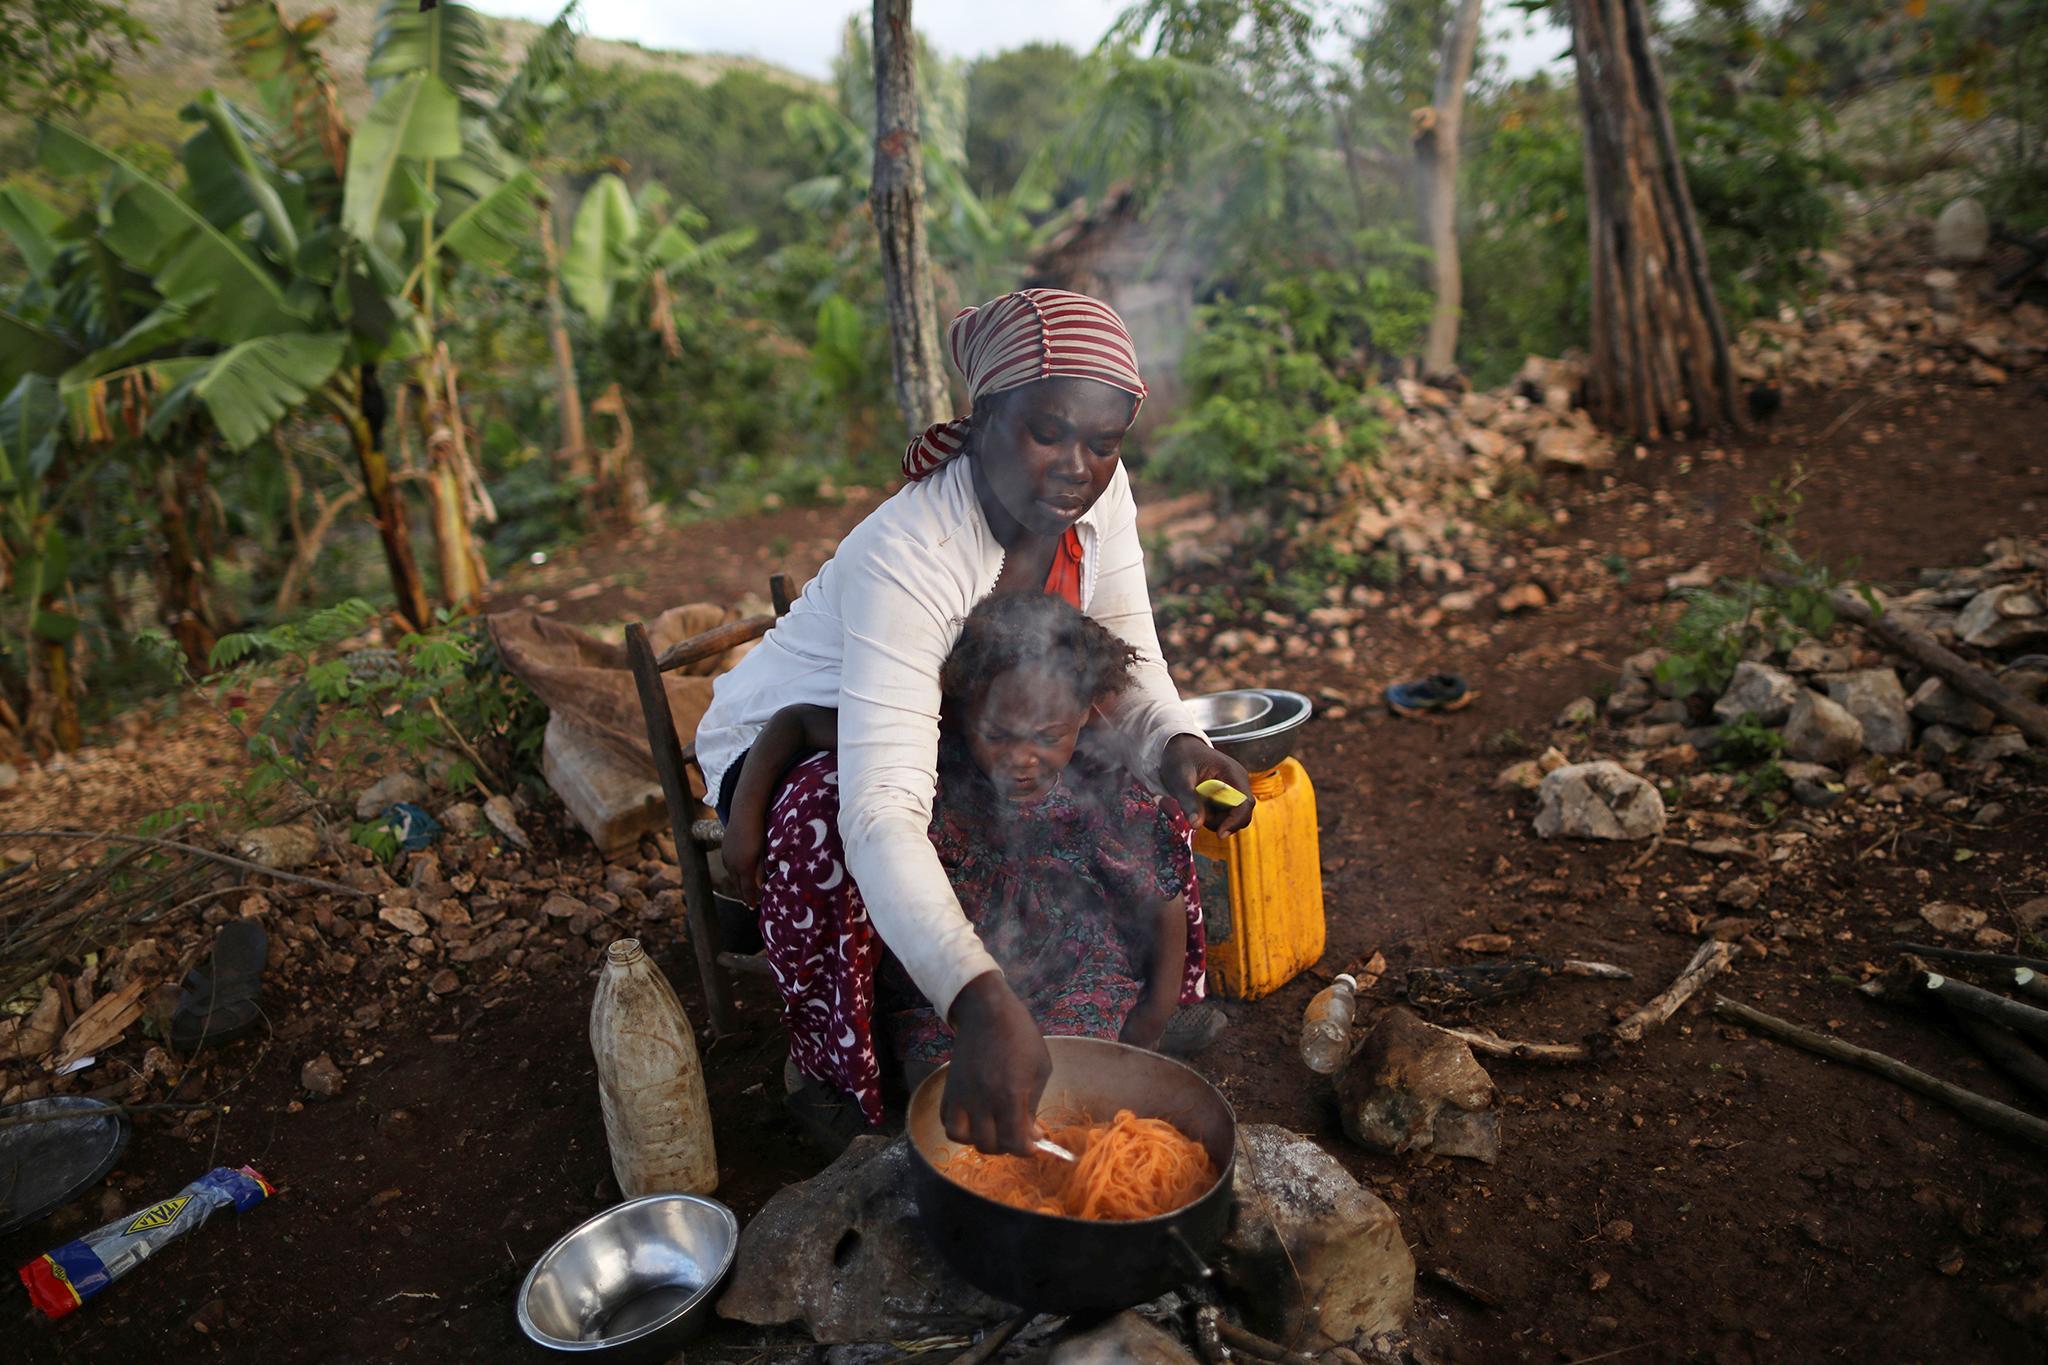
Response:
column 1006, row 631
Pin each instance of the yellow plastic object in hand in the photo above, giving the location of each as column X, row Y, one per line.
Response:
column 1222, row 793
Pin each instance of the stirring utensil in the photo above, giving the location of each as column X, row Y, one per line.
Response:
column 1051, row 1148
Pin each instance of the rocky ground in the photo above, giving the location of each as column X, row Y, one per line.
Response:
column 423, row 1091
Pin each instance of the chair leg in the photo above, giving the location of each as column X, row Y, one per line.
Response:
column 696, row 870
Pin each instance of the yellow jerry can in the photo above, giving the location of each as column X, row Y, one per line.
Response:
column 1270, row 886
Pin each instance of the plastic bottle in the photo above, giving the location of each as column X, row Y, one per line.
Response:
column 1326, row 1026
column 649, row 1081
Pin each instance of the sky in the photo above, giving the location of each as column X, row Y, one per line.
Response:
column 803, row 35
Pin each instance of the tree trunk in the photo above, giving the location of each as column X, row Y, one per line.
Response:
column 897, row 200
column 183, row 515
column 461, row 566
column 366, row 432
column 575, row 451
column 1436, row 154
column 1660, row 356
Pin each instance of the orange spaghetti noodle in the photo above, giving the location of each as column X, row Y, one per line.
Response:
column 1124, row 1169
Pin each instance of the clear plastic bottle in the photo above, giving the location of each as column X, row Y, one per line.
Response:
column 657, row 1119
column 1326, row 1026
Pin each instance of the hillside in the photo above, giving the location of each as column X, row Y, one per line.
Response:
column 188, row 54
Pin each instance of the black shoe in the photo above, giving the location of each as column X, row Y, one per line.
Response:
column 1192, row 1028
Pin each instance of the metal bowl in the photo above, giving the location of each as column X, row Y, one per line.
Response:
column 1224, row 713
column 1270, row 741
column 634, row 1282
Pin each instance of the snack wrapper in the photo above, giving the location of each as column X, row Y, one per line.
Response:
column 59, row 1281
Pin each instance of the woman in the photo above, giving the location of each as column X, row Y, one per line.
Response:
column 1028, row 494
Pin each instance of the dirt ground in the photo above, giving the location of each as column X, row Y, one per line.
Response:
column 1705, row 1197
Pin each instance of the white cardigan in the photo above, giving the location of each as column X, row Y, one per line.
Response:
column 868, row 636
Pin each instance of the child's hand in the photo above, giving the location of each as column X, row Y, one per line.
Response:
column 1146, row 1023
column 741, row 852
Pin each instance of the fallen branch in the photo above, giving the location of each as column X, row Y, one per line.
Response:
column 1599, row 971
column 196, row 852
column 1486, row 983
column 993, row 1340
column 1708, row 961
column 2030, row 982
column 1923, row 649
column 1252, row 1344
column 85, row 1115
column 1985, row 1004
column 1971, row 956
column 1988, row 1112
column 1492, row 1045
column 2007, row 1051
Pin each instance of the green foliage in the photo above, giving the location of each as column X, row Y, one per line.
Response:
column 60, row 54
column 337, row 712
column 1020, row 103
column 1278, row 390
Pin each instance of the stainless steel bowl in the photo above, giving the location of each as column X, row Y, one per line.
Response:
column 635, row 1282
column 1266, row 744
column 1227, row 713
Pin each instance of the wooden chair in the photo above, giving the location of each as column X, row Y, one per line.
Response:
column 695, row 838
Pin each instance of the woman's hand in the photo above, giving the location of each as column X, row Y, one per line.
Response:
column 1000, row 1067
column 1145, row 1025
column 1190, row 759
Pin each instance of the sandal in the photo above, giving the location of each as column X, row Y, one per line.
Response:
column 1192, row 1028
column 219, row 1002
column 1437, row 692
column 828, row 1117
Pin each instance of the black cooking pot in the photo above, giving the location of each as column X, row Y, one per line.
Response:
column 1072, row 1265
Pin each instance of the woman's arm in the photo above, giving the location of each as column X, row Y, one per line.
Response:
column 900, row 610
column 1167, row 962
column 789, row 735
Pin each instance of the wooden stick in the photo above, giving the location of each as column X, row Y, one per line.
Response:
column 1560, row 1054
column 1972, row 956
column 1709, row 960
column 196, row 852
column 1252, row 1344
column 1987, row 1004
column 2030, row 982
column 1600, row 971
column 1208, row 1339
column 87, row 1115
column 1998, row 1117
column 713, row 642
column 1968, row 679
column 2007, row 1051
column 994, row 1339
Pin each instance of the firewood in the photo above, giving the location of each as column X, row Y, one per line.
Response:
column 2030, row 982
column 1485, row 983
column 1710, row 959
column 1256, row 1346
column 1971, row 956
column 1990, row 1113
column 993, row 1340
column 2006, row 1049
column 1985, row 1004
column 1492, row 1045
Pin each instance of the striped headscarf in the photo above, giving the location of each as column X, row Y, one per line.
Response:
column 1019, row 339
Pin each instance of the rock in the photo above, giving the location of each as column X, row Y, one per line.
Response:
column 1950, row 918
column 1995, row 748
column 1565, row 447
column 498, row 811
column 1487, row 444
column 1875, row 697
column 2003, row 617
column 1124, row 1338
column 322, row 1078
column 1986, row 375
column 1757, row 690
column 2032, row 916
column 283, row 847
column 445, row 982
column 1598, row 801
column 405, row 919
column 1525, row 776
column 1989, row 814
column 1941, row 742
column 1817, row 795
column 1740, row 893
column 388, row 791
column 1312, row 1257
column 562, row 905
column 1962, row 234
column 1551, row 759
column 1923, row 786
column 1578, row 713
column 842, row 1254
column 464, row 819
column 1522, row 597
column 614, row 801
column 1415, row 1088
column 1811, row 656
column 1820, row 730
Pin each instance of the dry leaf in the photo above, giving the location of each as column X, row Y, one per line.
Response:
column 105, row 1022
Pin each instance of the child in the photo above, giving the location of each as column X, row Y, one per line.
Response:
column 1066, row 865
